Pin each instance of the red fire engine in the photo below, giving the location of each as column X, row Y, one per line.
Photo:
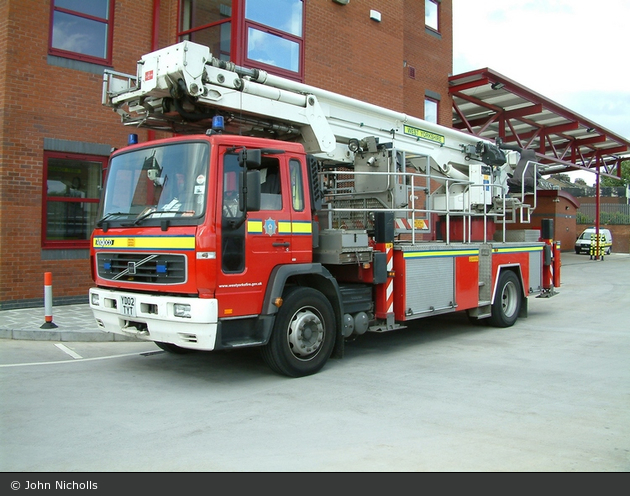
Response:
column 292, row 218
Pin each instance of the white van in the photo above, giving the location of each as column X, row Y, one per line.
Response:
column 583, row 243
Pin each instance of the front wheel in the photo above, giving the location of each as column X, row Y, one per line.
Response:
column 303, row 335
column 507, row 300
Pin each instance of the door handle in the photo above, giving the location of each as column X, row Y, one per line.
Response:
column 286, row 244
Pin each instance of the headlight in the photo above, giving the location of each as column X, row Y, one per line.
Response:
column 95, row 299
column 181, row 310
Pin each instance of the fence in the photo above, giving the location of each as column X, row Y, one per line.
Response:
column 609, row 213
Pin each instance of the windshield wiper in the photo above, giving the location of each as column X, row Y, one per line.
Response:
column 150, row 213
column 111, row 214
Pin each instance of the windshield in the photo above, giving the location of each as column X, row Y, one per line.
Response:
column 162, row 181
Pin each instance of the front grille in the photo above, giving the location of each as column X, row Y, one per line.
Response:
column 143, row 268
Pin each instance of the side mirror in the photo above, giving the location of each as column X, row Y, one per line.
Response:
column 253, row 190
column 250, row 159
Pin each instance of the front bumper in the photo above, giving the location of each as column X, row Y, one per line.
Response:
column 152, row 317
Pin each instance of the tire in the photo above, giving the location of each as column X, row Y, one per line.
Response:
column 303, row 335
column 173, row 348
column 507, row 300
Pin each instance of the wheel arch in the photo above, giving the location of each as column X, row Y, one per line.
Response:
column 315, row 276
column 518, row 272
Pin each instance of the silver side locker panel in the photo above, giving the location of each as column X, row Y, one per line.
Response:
column 430, row 284
column 535, row 272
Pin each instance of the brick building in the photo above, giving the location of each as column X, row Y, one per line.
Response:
column 56, row 136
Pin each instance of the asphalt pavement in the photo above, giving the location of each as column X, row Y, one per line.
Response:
column 548, row 395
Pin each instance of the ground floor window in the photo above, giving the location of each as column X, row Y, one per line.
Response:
column 72, row 188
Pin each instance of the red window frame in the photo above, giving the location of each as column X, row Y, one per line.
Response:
column 279, row 71
column 238, row 43
column 72, row 243
column 182, row 33
column 77, row 55
column 437, row 6
column 437, row 108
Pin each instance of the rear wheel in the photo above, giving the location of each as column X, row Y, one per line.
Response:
column 507, row 300
column 303, row 335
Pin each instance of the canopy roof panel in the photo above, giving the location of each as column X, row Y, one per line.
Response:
column 491, row 106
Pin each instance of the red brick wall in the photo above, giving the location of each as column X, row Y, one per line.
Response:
column 558, row 206
column 431, row 57
column 40, row 101
column 347, row 52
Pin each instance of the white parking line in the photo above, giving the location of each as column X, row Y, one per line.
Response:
column 67, row 350
column 81, row 360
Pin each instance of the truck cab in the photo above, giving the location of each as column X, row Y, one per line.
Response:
column 203, row 231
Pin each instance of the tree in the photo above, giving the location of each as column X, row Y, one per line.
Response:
column 563, row 177
column 615, row 183
column 580, row 182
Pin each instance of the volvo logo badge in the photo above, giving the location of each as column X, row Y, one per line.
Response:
column 131, row 268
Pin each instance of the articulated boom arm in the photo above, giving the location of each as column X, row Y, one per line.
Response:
column 180, row 88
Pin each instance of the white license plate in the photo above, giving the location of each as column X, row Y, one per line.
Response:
column 128, row 306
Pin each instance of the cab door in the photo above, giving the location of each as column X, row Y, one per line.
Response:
column 278, row 234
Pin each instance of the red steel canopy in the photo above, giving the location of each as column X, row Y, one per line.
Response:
column 489, row 105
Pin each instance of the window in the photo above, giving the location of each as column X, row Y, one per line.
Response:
column 168, row 180
column 71, row 196
column 209, row 23
column 233, row 233
column 432, row 14
column 297, row 193
column 82, row 30
column 271, row 187
column 430, row 110
column 274, row 33
column 269, row 34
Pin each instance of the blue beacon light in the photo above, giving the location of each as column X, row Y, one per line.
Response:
column 132, row 139
column 217, row 123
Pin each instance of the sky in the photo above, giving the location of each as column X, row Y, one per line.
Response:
column 574, row 52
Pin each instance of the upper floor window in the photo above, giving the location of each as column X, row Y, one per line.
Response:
column 430, row 110
column 71, row 195
column 82, row 30
column 209, row 23
column 432, row 14
column 265, row 34
column 274, row 32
